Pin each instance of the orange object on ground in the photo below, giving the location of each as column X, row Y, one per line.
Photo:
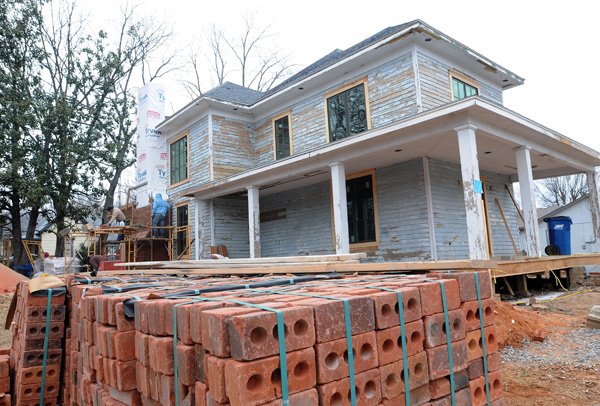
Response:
column 9, row 279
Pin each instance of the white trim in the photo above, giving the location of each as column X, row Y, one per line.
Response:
column 213, row 240
column 196, row 228
column 527, row 192
column 593, row 182
column 254, row 221
column 417, row 76
column 340, row 208
column 211, row 153
column 430, row 216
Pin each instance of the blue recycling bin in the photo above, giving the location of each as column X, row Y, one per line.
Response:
column 559, row 233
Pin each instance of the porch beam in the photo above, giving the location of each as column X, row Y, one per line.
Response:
column 197, row 217
column 593, row 181
column 340, row 208
column 469, row 165
column 254, row 221
column 527, row 191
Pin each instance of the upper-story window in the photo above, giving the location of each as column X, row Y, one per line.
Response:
column 463, row 88
column 179, row 159
column 282, row 137
column 347, row 112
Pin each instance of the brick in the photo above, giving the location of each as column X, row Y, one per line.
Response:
column 441, row 387
column 462, row 398
column 215, row 378
column 477, row 389
column 195, row 312
column 332, row 357
column 255, row 335
column 475, row 345
column 124, row 345
column 475, row 368
column 199, row 359
column 35, row 358
column 123, row 322
column 130, row 398
column 38, row 330
column 431, row 296
column 471, row 311
column 186, row 364
column 156, row 310
column 34, row 374
column 32, row 391
column 125, row 376
column 167, row 390
column 161, row 354
column 169, row 313
column 200, row 394
column 142, row 380
column 386, row 307
column 259, row 381
column 435, row 328
column 438, row 359
column 418, row 396
column 215, row 332
column 495, row 379
column 466, row 284
column 368, row 390
column 392, row 376
column 304, row 398
column 142, row 350
column 38, row 313
column 329, row 321
column 389, row 342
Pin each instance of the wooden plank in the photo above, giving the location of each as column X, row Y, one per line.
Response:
column 541, row 264
column 512, row 240
column 257, row 261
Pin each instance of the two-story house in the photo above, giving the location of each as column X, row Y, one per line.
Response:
column 398, row 146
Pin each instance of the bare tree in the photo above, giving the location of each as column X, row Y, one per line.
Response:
column 562, row 190
column 250, row 58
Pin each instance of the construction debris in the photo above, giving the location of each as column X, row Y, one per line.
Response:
column 215, row 341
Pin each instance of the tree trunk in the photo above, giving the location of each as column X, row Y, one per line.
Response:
column 19, row 256
column 110, row 193
column 34, row 214
column 60, row 246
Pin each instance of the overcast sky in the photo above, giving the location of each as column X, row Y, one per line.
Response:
column 552, row 44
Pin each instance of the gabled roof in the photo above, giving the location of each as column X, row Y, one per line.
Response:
column 230, row 92
column 557, row 209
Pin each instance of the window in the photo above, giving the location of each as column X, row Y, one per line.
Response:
column 347, row 113
column 181, row 236
column 361, row 196
column 281, row 132
column 462, row 89
column 179, row 160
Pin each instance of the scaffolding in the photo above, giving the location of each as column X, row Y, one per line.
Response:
column 174, row 239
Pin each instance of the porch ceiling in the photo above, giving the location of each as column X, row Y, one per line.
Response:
column 431, row 134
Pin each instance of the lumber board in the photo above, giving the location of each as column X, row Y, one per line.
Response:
column 324, row 267
column 248, row 261
column 541, row 264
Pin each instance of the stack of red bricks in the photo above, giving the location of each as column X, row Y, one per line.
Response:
column 27, row 354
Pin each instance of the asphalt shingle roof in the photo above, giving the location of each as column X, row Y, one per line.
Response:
column 233, row 93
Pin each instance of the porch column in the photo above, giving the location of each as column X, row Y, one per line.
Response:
column 197, row 217
column 254, row 221
column 340, row 208
column 593, row 180
column 527, row 190
column 472, row 187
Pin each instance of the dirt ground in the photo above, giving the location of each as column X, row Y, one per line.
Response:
column 5, row 337
column 564, row 369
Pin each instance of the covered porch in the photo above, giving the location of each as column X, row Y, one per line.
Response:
column 438, row 184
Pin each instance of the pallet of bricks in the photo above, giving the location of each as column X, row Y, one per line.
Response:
column 37, row 346
column 348, row 341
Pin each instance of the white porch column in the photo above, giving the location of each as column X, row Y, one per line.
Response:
column 197, row 217
column 527, row 190
column 593, row 180
column 254, row 221
column 340, row 208
column 472, row 186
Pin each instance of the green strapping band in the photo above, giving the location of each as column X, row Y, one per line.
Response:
column 403, row 338
column 46, row 336
column 449, row 343
column 348, row 333
column 483, row 339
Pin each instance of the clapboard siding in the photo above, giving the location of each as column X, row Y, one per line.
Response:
column 231, row 226
column 306, row 228
column 449, row 211
column 198, row 156
column 232, row 149
column 392, row 91
column 403, row 228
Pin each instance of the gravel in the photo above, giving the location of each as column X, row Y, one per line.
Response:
column 577, row 348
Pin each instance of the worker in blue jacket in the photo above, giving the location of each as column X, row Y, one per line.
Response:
column 160, row 208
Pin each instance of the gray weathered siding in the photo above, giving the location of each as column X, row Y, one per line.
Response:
column 307, row 228
column 232, row 149
column 435, row 83
column 449, row 211
column 231, row 226
column 403, row 229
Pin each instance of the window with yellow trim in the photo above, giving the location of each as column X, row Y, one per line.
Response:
column 462, row 89
column 178, row 160
column 281, row 128
column 347, row 113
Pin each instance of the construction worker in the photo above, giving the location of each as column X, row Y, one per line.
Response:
column 160, row 208
column 92, row 263
column 117, row 219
